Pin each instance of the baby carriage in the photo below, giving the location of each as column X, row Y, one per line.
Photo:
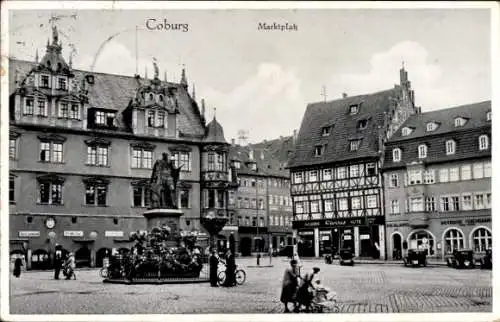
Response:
column 68, row 271
column 324, row 300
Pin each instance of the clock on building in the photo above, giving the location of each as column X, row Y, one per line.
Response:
column 50, row 223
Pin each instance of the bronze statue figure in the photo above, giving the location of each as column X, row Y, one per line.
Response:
column 164, row 183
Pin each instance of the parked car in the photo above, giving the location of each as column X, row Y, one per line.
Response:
column 462, row 258
column 284, row 251
column 346, row 257
column 415, row 257
column 486, row 261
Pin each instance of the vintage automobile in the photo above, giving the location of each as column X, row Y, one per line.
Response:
column 346, row 257
column 284, row 251
column 486, row 261
column 415, row 257
column 461, row 258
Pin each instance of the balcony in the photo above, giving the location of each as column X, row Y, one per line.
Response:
column 418, row 219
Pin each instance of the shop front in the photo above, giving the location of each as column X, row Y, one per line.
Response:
column 364, row 236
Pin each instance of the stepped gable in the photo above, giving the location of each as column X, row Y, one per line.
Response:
column 475, row 114
column 116, row 91
column 372, row 107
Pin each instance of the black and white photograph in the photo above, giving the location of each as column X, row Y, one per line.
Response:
column 294, row 160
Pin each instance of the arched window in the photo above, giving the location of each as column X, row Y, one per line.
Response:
column 481, row 239
column 453, row 239
column 483, row 142
column 396, row 155
column 421, row 239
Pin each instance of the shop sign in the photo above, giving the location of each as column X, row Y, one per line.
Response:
column 113, row 233
column 325, row 232
column 338, row 222
column 29, row 233
column 402, row 224
column 468, row 222
column 347, row 237
column 73, row 233
column 306, row 233
column 364, row 236
column 325, row 237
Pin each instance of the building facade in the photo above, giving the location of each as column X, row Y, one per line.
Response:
column 336, row 184
column 437, row 174
column 82, row 145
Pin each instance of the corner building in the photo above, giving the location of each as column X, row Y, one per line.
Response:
column 82, row 145
column 336, row 184
column 437, row 174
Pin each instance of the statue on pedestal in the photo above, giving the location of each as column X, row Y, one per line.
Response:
column 164, row 183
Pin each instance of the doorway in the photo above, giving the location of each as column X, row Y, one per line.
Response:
column 82, row 257
column 246, row 246
column 396, row 246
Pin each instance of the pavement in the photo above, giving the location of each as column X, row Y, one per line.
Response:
column 360, row 289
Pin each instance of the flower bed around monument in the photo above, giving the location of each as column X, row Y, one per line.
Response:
column 160, row 255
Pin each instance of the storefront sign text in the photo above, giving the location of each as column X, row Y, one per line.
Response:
column 468, row 222
column 73, row 233
column 113, row 233
column 337, row 222
column 401, row 224
column 29, row 233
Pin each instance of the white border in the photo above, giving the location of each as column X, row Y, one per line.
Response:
column 103, row 5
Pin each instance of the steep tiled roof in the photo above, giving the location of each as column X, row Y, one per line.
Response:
column 116, row 91
column 474, row 113
column 343, row 128
column 215, row 133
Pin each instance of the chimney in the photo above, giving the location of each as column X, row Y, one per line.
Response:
column 294, row 135
column 233, row 141
column 250, row 154
column 344, row 95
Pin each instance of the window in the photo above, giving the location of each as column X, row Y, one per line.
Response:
column 110, row 118
column 327, row 174
column 370, row 169
column 142, row 159
column 74, row 112
column 221, row 200
column 314, row 206
column 394, row 180
column 12, row 148
column 453, row 239
column 362, row 124
column 73, row 220
column 261, row 222
column 466, row 172
column 396, row 155
column 455, row 200
column 140, row 198
column 416, row 204
column 354, row 171
column 479, row 201
column 50, row 193
column 487, row 169
column 184, row 198
column 478, row 172
column 44, row 81
column 430, row 204
column 460, row 121
column 319, row 150
column 355, row 203
column 406, row 131
column 328, row 205
column 341, row 173
column 371, row 201
column 42, row 108
column 313, row 176
column 95, row 194
column 61, row 83
column 443, row 175
column 481, row 239
column 431, row 126
column 488, row 116
column 299, row 207
column 151, row 119
column 325, row 131
column 394, row 207
column 29, row 106
column 467, row 202
column 45, row 151
column 342, row 204
column 454, row 174
column 415, row 176
column 450, row 203
column 183, row 159
column 12, row 189
column 100, row 118
column 429, row 177
column 354, row 145
column 161, row 119
column 57, row 151
column 450, row 147
column 353, row 109
column 97, row 155
column 483, row 142
column 297, row 177
column 422, row 151
column 63, row 110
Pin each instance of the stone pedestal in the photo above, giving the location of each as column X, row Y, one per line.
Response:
column 161, row 217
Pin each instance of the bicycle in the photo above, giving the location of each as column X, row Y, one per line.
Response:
column 240, row 276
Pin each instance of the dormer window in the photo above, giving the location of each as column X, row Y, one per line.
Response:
column 450, row 147
column 406, row 131
column 253, row 166
column 61, row 83
column 362, row 124
column 160, row 98
column 319, row 150
column 151, row 97
column 488, row 116
column 431, row 126
column 237, row 164
column 460, row 121
column 104, row 118
column 396, row 155
column 422, row 151
column 44, row 81
column 110, row 119
column 353, row 109
column 354, row 145
column 325, row 130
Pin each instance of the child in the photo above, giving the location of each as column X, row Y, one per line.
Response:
column 70, row 266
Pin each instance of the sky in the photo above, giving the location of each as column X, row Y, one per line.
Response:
column 261, row 81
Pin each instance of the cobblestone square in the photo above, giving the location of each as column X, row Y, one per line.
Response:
column 364, row 288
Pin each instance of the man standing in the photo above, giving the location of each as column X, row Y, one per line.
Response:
column 214, row 264
column 230, row 270
column 58, row 260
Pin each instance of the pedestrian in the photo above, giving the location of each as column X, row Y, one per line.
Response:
column 70, row 266
column 289, row 285
column 58, row 261
column 230, row 269
column 17, row 267
column 214, row 265
column 305, row 292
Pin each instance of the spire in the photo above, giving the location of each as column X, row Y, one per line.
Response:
column 203, row 107
column 36, row 56
column 215, row 110
column 194, row 93
column 183, row 77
